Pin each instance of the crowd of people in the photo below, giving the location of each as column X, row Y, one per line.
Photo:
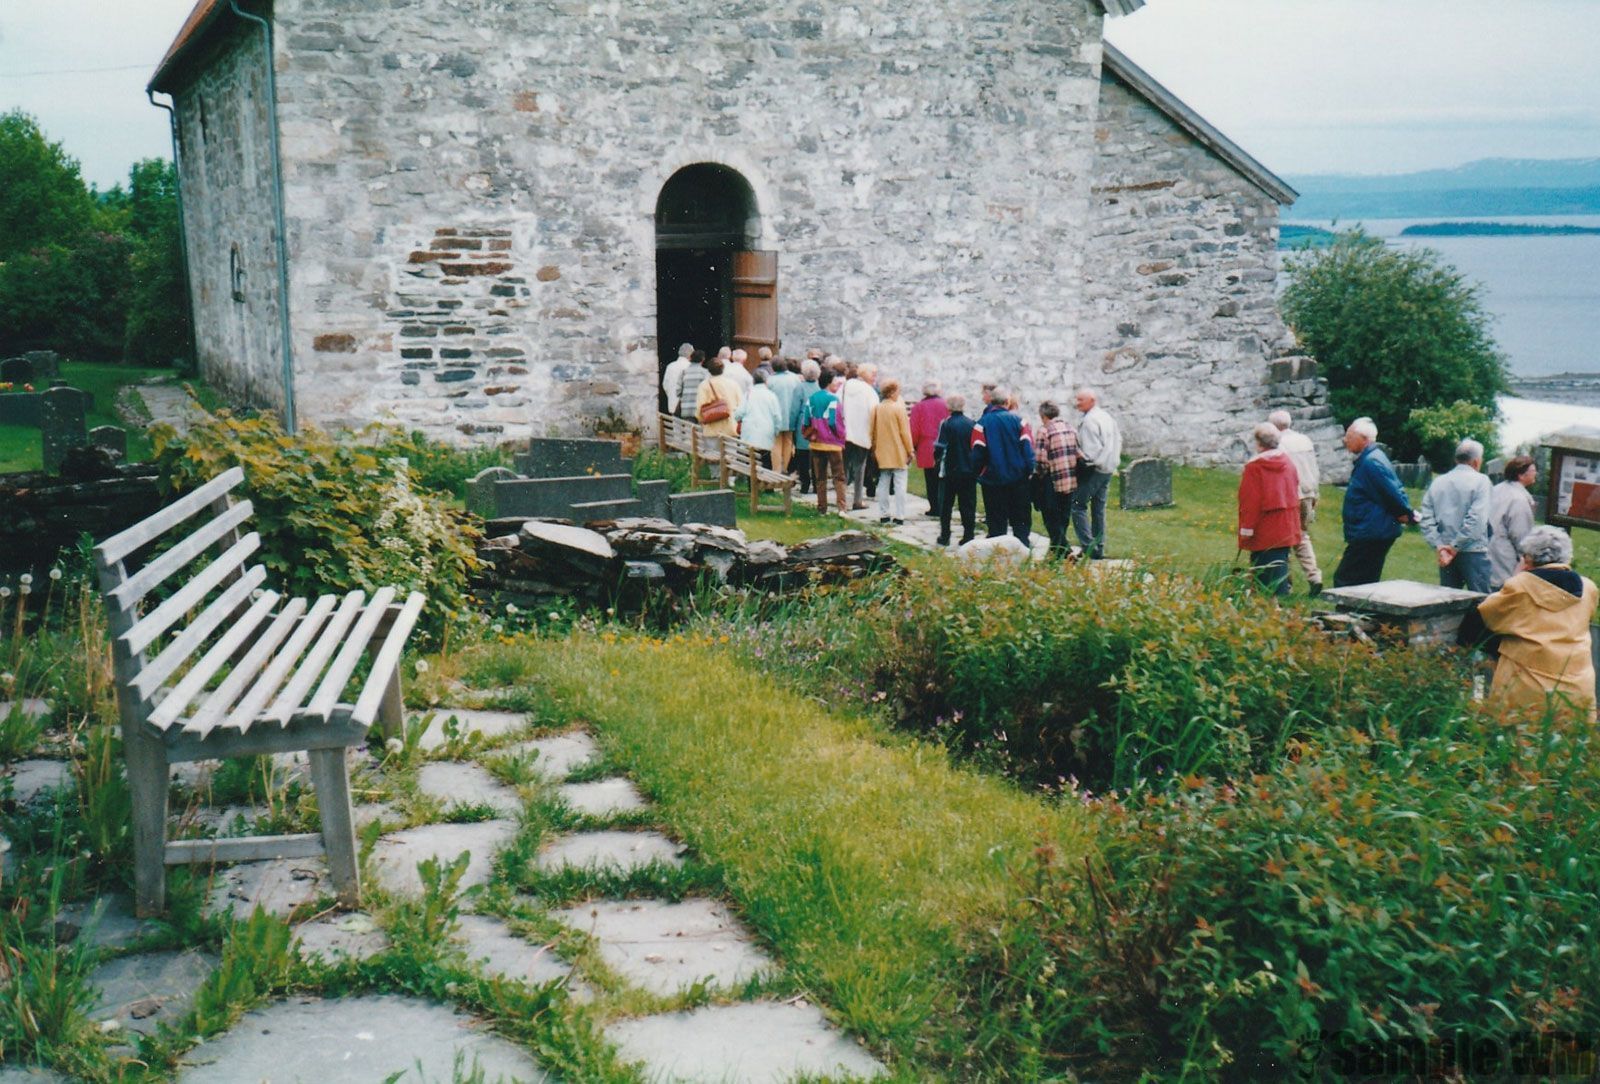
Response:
column 837, row 425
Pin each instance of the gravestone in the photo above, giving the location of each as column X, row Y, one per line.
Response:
column 652, row 495
column 1147, row 483
column 61, row 425
column 17, row 370
column 563, row 457
column 553, row 498
column 19, row 408
column 46, row 364
column 717, row 507
column 480, row 490
column 112, row 438
column 1495, row 468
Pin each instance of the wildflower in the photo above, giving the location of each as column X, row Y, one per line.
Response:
column 394, row 745
column 511, row 608
column 5, row 592
column 8, row 680
column 25, row 590
column 25, row 579
column 553, row 616
column 422, row 666
column 55, row 574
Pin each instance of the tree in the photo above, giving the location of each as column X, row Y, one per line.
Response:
column 67, row 299
column 158, row 328
column 1395, row 331
column 43, row 200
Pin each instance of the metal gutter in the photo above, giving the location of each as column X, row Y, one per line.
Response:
column 183, row 230
column 277, row 215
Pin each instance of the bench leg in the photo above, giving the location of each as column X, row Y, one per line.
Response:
column 330, row 774
column 146, row 760
column 392, row 708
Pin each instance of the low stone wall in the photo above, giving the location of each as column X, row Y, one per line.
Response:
column 46, row 514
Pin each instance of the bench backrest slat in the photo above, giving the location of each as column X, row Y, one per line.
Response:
column 163, row 617
column 298, row 686
column 182, row 694
column 141, row 534
column 250, row 705
column 155, row 671
column 344, row 664
column 388, row 656
column 155, row 573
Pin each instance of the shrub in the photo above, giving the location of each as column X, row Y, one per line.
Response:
column 1441, row 428
column 1373, row 895
column 1059, row 673
column 333, row 514
column 1394, row 329
column 651, row 465
column 441, row 467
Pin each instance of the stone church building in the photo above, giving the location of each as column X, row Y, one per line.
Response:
column 487, row 220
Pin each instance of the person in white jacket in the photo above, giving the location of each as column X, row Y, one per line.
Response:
column 672, row 376
column 857, row 401
column 1303, row 454
column 760, row 417
column 1099, row 455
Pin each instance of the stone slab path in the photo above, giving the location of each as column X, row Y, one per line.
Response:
column 139, row 992
column 557, row 757
column 104, row 923
column 762, row 1042
column 486, row 724
column 603, row 797
column 166, row 402
column 33, row 781
column 498, row 950
column 621, row 851
column 396, row 857
column 357, row 1040
column 457, row 784
column 280, row 886
column 337, row 937
column 668, row 947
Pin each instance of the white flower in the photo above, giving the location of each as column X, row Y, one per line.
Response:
column 5, row 592
column 394, row 745
column 8, row 680
column 497, row 628
column 55, row 574
column 422, row 666
column 25, row 590
column 553, row 616
column 25, row 579
column 511, row 608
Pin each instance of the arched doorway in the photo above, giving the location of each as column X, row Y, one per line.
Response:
column 712, row 288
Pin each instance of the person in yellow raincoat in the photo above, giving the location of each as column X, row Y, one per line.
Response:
column 1542, row 615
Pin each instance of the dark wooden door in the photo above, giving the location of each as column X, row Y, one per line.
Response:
column 755, row 301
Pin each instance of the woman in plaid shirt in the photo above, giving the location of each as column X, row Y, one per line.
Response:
column 1057, row 473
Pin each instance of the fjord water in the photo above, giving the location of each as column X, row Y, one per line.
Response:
column 1544, row 292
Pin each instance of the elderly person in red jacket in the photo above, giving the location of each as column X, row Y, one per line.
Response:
column 926, row 418
column 1269, row 510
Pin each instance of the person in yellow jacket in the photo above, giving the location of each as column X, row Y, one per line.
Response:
column 718, row 387
column 892, row 448
column 1542, row 615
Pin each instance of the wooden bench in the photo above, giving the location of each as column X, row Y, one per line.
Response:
column 682, row 435
column 270, row 679
column 741, row 459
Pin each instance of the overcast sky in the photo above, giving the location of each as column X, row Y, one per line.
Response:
column 1363, row 86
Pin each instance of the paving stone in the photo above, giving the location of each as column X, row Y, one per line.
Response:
column 337, row 937
column 105, row 922
column 34, row 780
column 664, row 947
column 151, row 988
column 18, row 1074
column 614, row 850
column 752, row 1043
column 498, row 950
column 280, row 886
column 556, row 757
column 603, row 797
column 396, row 856
column 357, row 1040
column 455, row 783
column 377, row 811
column 214, row 820
column 489, row 724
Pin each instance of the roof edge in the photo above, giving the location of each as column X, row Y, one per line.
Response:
column 1121, row 7
column 1145, row 85
column 195, row 32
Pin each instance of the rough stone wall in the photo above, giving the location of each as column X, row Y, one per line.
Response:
column 922, row 171
column 1180, row 321
column 226, row 177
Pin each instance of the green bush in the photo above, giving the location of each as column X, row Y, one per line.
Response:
column 67, row 299
column 1394, row 330
column 1441, row 428
column 333, row 514
column 444, row 468
column 1059, row 673
column 1371, row 889
column 651, row 465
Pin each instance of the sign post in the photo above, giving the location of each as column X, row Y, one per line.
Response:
column 1573, row 499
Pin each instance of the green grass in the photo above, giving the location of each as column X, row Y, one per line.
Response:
column 865, row 859
column 19, row 445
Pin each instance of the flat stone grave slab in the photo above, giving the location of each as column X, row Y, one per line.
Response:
column 609, row 850
column 151, row 988
column 497, row 950
column 396, row 856
column 603, row 797
column 104, row 922
column 664, row 947
column 280, row 886
column 338, row 937
column 754, row 1044
column 34, row 780
column 556, row 757
column 357, row 1040
column 488, row 724
column 457, row 784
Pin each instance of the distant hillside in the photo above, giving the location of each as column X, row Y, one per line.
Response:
column 1492, row 186
column 1493, row 229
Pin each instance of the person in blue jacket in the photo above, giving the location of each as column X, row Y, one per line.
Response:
column 1375, row 508
column 1002, row 453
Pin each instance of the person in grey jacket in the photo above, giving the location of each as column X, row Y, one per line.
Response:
column 1510, row 518
column 1455, row 521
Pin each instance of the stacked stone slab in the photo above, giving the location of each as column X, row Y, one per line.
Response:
column 587, row 480
column 1293, row 385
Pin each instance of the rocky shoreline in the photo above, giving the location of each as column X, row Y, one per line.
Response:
column 1572, row 389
